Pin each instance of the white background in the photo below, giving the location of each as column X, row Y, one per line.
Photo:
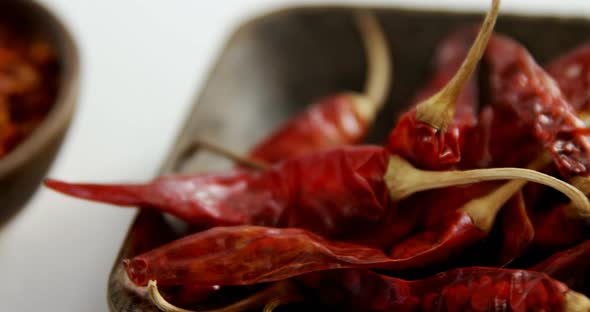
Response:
column 142, row 63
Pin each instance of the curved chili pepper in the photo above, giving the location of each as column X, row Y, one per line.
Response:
column 423, row 145
column 520, row 85
column 570, row 266
column 464, row 289
column 331, row 121
column 338, row 119
column 242, row 255
column 326, row 192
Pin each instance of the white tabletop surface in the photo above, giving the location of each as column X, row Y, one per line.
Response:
column 142, row 63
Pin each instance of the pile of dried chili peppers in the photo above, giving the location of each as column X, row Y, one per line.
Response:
column 443, row 217
column 28, row 84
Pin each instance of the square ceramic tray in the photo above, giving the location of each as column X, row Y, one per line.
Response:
column 275, row 64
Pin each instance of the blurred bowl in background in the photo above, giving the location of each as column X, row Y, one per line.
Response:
column 23, row 167
column 32, row 21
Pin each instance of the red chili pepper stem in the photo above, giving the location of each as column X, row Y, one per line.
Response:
column 438, row 111
column 280, row 293
column 379, row 66
column 403, row 180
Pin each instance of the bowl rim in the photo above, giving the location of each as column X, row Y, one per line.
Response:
column 61, row 113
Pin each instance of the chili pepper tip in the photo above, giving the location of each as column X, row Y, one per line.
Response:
column 136, row 271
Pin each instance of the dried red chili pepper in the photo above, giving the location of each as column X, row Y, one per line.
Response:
column 520, row 85
column 555, row 228
column 431, row 134
column 464, row 289
column 338, row 119
column 280, row 196
column 249, row 254
column 570, row 266
column 419, row 142
column 570, row 71
column 327, row 192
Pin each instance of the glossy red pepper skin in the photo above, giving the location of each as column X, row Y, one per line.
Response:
column 522, row 86
column 330, row 122
column 420, row 143
column 570, row 71
column 465, row 289
column 326, row 192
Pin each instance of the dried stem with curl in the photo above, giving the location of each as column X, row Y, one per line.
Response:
column 279, row 293
column 379, row 66
column 403, row 180
column 439, row 110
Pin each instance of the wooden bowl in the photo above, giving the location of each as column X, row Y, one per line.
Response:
column 36, row 19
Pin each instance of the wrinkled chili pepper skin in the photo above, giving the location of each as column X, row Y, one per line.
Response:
column 498, row 128
column 567, row 260
column 571, row 266
column 243, row 255
column 465, row 289
column 420, row 143
column 436, row 243
column 570, row 71
column 330, row 122
column 521, row 85
column 325, row 192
